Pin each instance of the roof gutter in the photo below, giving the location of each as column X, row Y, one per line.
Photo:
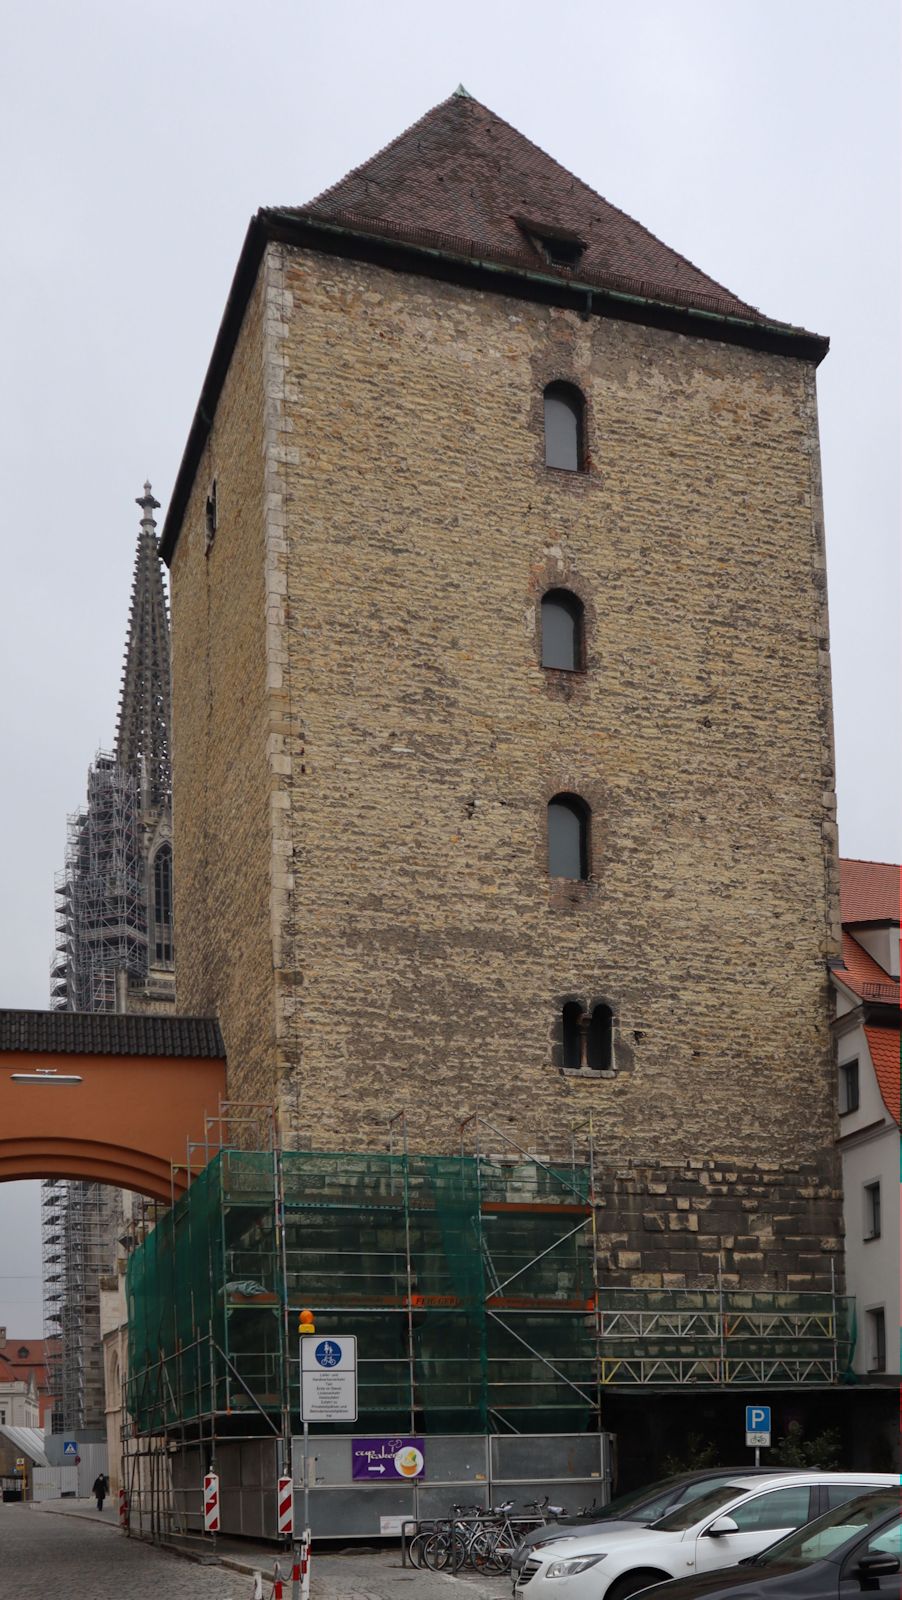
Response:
column 589, row 298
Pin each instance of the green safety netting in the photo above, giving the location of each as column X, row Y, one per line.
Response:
column 467, row 1282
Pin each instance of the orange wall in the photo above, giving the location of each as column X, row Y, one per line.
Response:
column 125, row 1123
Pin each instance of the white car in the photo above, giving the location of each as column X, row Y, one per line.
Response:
column 735, row 1519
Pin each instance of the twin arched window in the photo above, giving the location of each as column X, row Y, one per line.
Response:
column 564, row 427
column 587, row 1038
column 568, row 837
column 562, row 631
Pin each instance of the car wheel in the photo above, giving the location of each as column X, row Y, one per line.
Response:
column 632, row 1582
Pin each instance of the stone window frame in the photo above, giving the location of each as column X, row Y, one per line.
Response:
column 579, row 620
column 588, row 1008
column 574, row 397
column 564, row 893
column 577, row 803
column 550, row 573
column 545, row 372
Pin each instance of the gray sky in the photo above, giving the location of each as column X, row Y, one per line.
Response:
column 759, row 137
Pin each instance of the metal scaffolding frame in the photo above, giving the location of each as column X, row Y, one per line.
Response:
column 101, row 894
column 80, row 1225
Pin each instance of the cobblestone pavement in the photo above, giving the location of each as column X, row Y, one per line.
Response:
column 74, row 1558
column 82, row 1556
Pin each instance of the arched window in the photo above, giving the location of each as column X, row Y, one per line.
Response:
column 600, row 1040
column 562, row 631
column 572, row 1038
column 162, row 903
column 564, row 427
column 568, row 837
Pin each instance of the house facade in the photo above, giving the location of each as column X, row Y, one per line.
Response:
column 867, row 1038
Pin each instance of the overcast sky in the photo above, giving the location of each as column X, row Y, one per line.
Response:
column 759, row 137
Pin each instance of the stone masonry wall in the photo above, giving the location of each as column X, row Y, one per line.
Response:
column 428, row 953
column 365, row 741
column 769, row 1226
column 222, row 852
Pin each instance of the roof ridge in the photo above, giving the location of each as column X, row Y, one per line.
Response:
column 354, row 172
column 868, row 861
column 619, row 210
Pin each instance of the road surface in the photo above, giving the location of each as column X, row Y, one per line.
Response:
column 77, row 1555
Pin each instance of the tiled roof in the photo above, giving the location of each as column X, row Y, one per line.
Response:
column 863, row 975
column 884, row 1045
column 869, row 891
column 109, row 1034
column 460, row 177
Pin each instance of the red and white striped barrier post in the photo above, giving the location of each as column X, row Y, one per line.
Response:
column 123, row 1509
column 300, row 1589
column 276, row 1583
column 285, row 1505
column 211, row 1503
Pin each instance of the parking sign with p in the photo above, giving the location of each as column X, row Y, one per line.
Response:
column 757, row 1427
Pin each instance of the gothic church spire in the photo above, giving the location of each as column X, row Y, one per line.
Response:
column 143, row 729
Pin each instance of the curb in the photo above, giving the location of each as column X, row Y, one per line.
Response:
column 47, row 1508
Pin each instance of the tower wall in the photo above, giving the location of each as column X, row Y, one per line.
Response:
column 222, row 799
column 365, row 741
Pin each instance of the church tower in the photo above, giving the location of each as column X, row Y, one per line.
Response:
column 114, row 953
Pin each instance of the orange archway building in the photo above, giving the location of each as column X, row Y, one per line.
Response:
column 107, row 1098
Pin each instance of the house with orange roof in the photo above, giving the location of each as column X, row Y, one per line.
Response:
column 24, row 1362
column 866, row 984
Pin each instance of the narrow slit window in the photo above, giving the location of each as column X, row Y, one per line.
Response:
column 872, row 1218
column 848, row 1088
column 877, row 1340
column 572, row 1039
column 568, row 837
column 564, row 426
column 600, row 1043
column 562, row 631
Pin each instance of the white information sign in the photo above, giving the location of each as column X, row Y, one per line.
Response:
column 328, row 1378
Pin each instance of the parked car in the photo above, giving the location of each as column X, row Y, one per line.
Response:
column 734, row 1520
column 641, row 1506
column 857, row 1546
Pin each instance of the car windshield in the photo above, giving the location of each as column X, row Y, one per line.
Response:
column 820, row 1538
column 687, row 1515
column 641, row 1505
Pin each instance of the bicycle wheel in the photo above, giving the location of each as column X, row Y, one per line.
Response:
column 415, row 1549
column 443, row 1550
column 498, row 1555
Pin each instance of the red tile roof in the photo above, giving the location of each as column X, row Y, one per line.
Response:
column 464, row 175
column 884, row 1045
column 869, row 891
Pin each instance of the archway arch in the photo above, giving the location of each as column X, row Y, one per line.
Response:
column 106, row 1098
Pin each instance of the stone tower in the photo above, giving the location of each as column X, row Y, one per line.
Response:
column 502, row 748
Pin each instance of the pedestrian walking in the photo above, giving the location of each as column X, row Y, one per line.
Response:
column 100, row 1488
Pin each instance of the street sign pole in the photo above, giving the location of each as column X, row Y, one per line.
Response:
column 306, row 1474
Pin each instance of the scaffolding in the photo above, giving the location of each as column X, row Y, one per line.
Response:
column 80, row 1224
column 101, row 898
column 472, row 1280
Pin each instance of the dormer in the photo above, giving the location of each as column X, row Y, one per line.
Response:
column 561, row 247
column 881, row 941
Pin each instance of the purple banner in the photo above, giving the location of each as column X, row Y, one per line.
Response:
column 387, row 1460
